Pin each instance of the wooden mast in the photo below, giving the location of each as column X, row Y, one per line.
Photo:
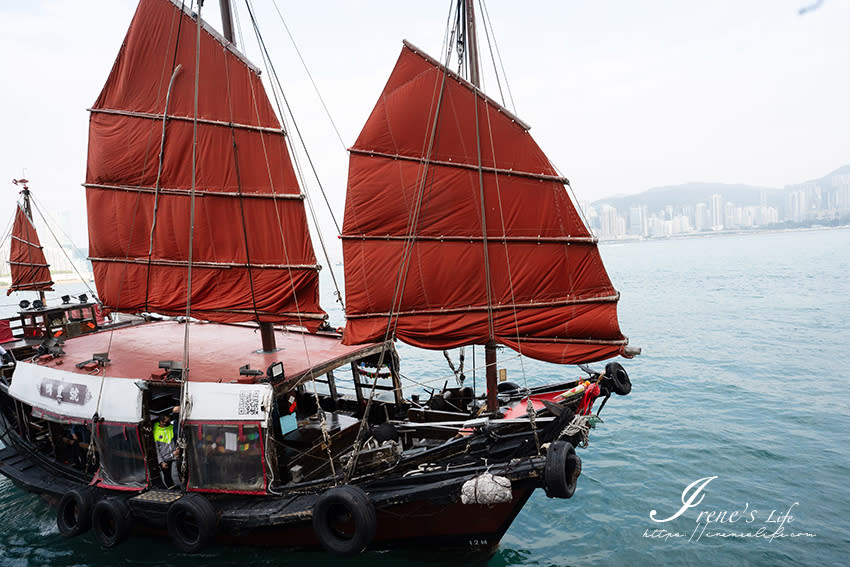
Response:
column 266, row 327
column 27, row 207
column 226, row 20
column 475, row 78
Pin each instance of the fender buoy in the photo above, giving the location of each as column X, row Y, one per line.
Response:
column 506, row 387
column 110, row 522
column 192, row 523
column 561, row 471
column 619, row 378
column 344, row 520
column 73, row 514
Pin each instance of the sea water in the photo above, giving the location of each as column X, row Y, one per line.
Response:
column 731, row 449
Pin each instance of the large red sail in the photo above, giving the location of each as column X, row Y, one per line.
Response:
column 413, row 236
column 252, row 257
column 30, row 270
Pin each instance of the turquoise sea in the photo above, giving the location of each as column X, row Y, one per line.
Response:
column 736, row 431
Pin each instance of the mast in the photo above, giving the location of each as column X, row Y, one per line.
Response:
column 28, row 211
column 226, row 20
column 266, row 327
column 31, row 280
column 472, row 43
column 471, row 49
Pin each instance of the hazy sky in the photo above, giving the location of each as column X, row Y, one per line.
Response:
column 621, row 95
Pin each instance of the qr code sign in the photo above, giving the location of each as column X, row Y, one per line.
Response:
column 249, row 402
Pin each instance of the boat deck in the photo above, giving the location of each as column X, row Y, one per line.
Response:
column 216, row 351
column 29, row 472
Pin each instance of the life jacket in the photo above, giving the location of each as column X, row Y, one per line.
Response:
column 163, row 434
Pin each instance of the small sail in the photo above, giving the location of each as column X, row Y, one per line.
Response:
column 413, row 236
column 30, row 270
column 252, row 257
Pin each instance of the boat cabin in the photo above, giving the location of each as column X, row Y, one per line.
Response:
column 36, row 321
column 244, row 435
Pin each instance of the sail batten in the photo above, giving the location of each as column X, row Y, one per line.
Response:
column 160, row 117
column 252, row 256
column 476, row 167
column 428, row 186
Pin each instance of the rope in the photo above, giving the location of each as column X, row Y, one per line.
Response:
column 579, row 425
column 50, row 230
column 144, row 165
column 239, row 192
column 174, row 74
column 459, row 376
column 273, row 73
column 315, row 88
column 494, row 55
column 532, row 417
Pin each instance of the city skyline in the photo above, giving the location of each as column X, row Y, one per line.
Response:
column 824, row 201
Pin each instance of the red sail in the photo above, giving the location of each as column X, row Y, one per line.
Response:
column 252, row 257
column 415, row 180
column 30, row 270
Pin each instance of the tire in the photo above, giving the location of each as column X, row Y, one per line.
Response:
column 111, row 522
column 561, row 471
column 507, row 387
column 619, row 378
column 73, row 514
column 192, row 523
column 344, row 520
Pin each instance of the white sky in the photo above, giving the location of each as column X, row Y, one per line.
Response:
column 621, row 95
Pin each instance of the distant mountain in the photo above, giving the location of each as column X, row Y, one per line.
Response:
column 843, row 170
column 689, row 194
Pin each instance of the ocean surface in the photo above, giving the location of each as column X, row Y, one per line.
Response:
column 734, row 438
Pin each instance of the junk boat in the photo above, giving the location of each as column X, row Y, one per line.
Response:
column 458, row 231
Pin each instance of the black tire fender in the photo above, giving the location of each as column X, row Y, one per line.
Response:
column 561, row 471
column 73, row 513
column 344, row 520
column 506, row 387
column 619, row 378
column 192, row 523
column 111, row 521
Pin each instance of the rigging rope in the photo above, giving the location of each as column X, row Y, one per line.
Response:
column 315, row 87
column 64, row 252
column 174, row 74
column 273, row 74
column 275, row 81
column 144, row 165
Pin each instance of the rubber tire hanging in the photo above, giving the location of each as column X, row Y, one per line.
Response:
column 561, row 471
column 74, row 511
column 111, row 522
column 192, row 523
column 344, row 520
column 619, row 378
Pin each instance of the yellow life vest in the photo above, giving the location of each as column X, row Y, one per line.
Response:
column 163, row 434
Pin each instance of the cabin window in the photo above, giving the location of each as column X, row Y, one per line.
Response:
column 225, row 457
column 122, row 461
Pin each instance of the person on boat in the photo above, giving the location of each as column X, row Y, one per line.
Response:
column 6, row 356
column 166, row 446
column 80, row 438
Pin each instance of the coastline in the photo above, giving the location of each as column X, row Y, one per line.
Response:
column 718, row 233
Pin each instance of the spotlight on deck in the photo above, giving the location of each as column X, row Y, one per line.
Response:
column 83, row 298
column 24, row 304
column 275, row 372
column 37, row 304
column 66, row 299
